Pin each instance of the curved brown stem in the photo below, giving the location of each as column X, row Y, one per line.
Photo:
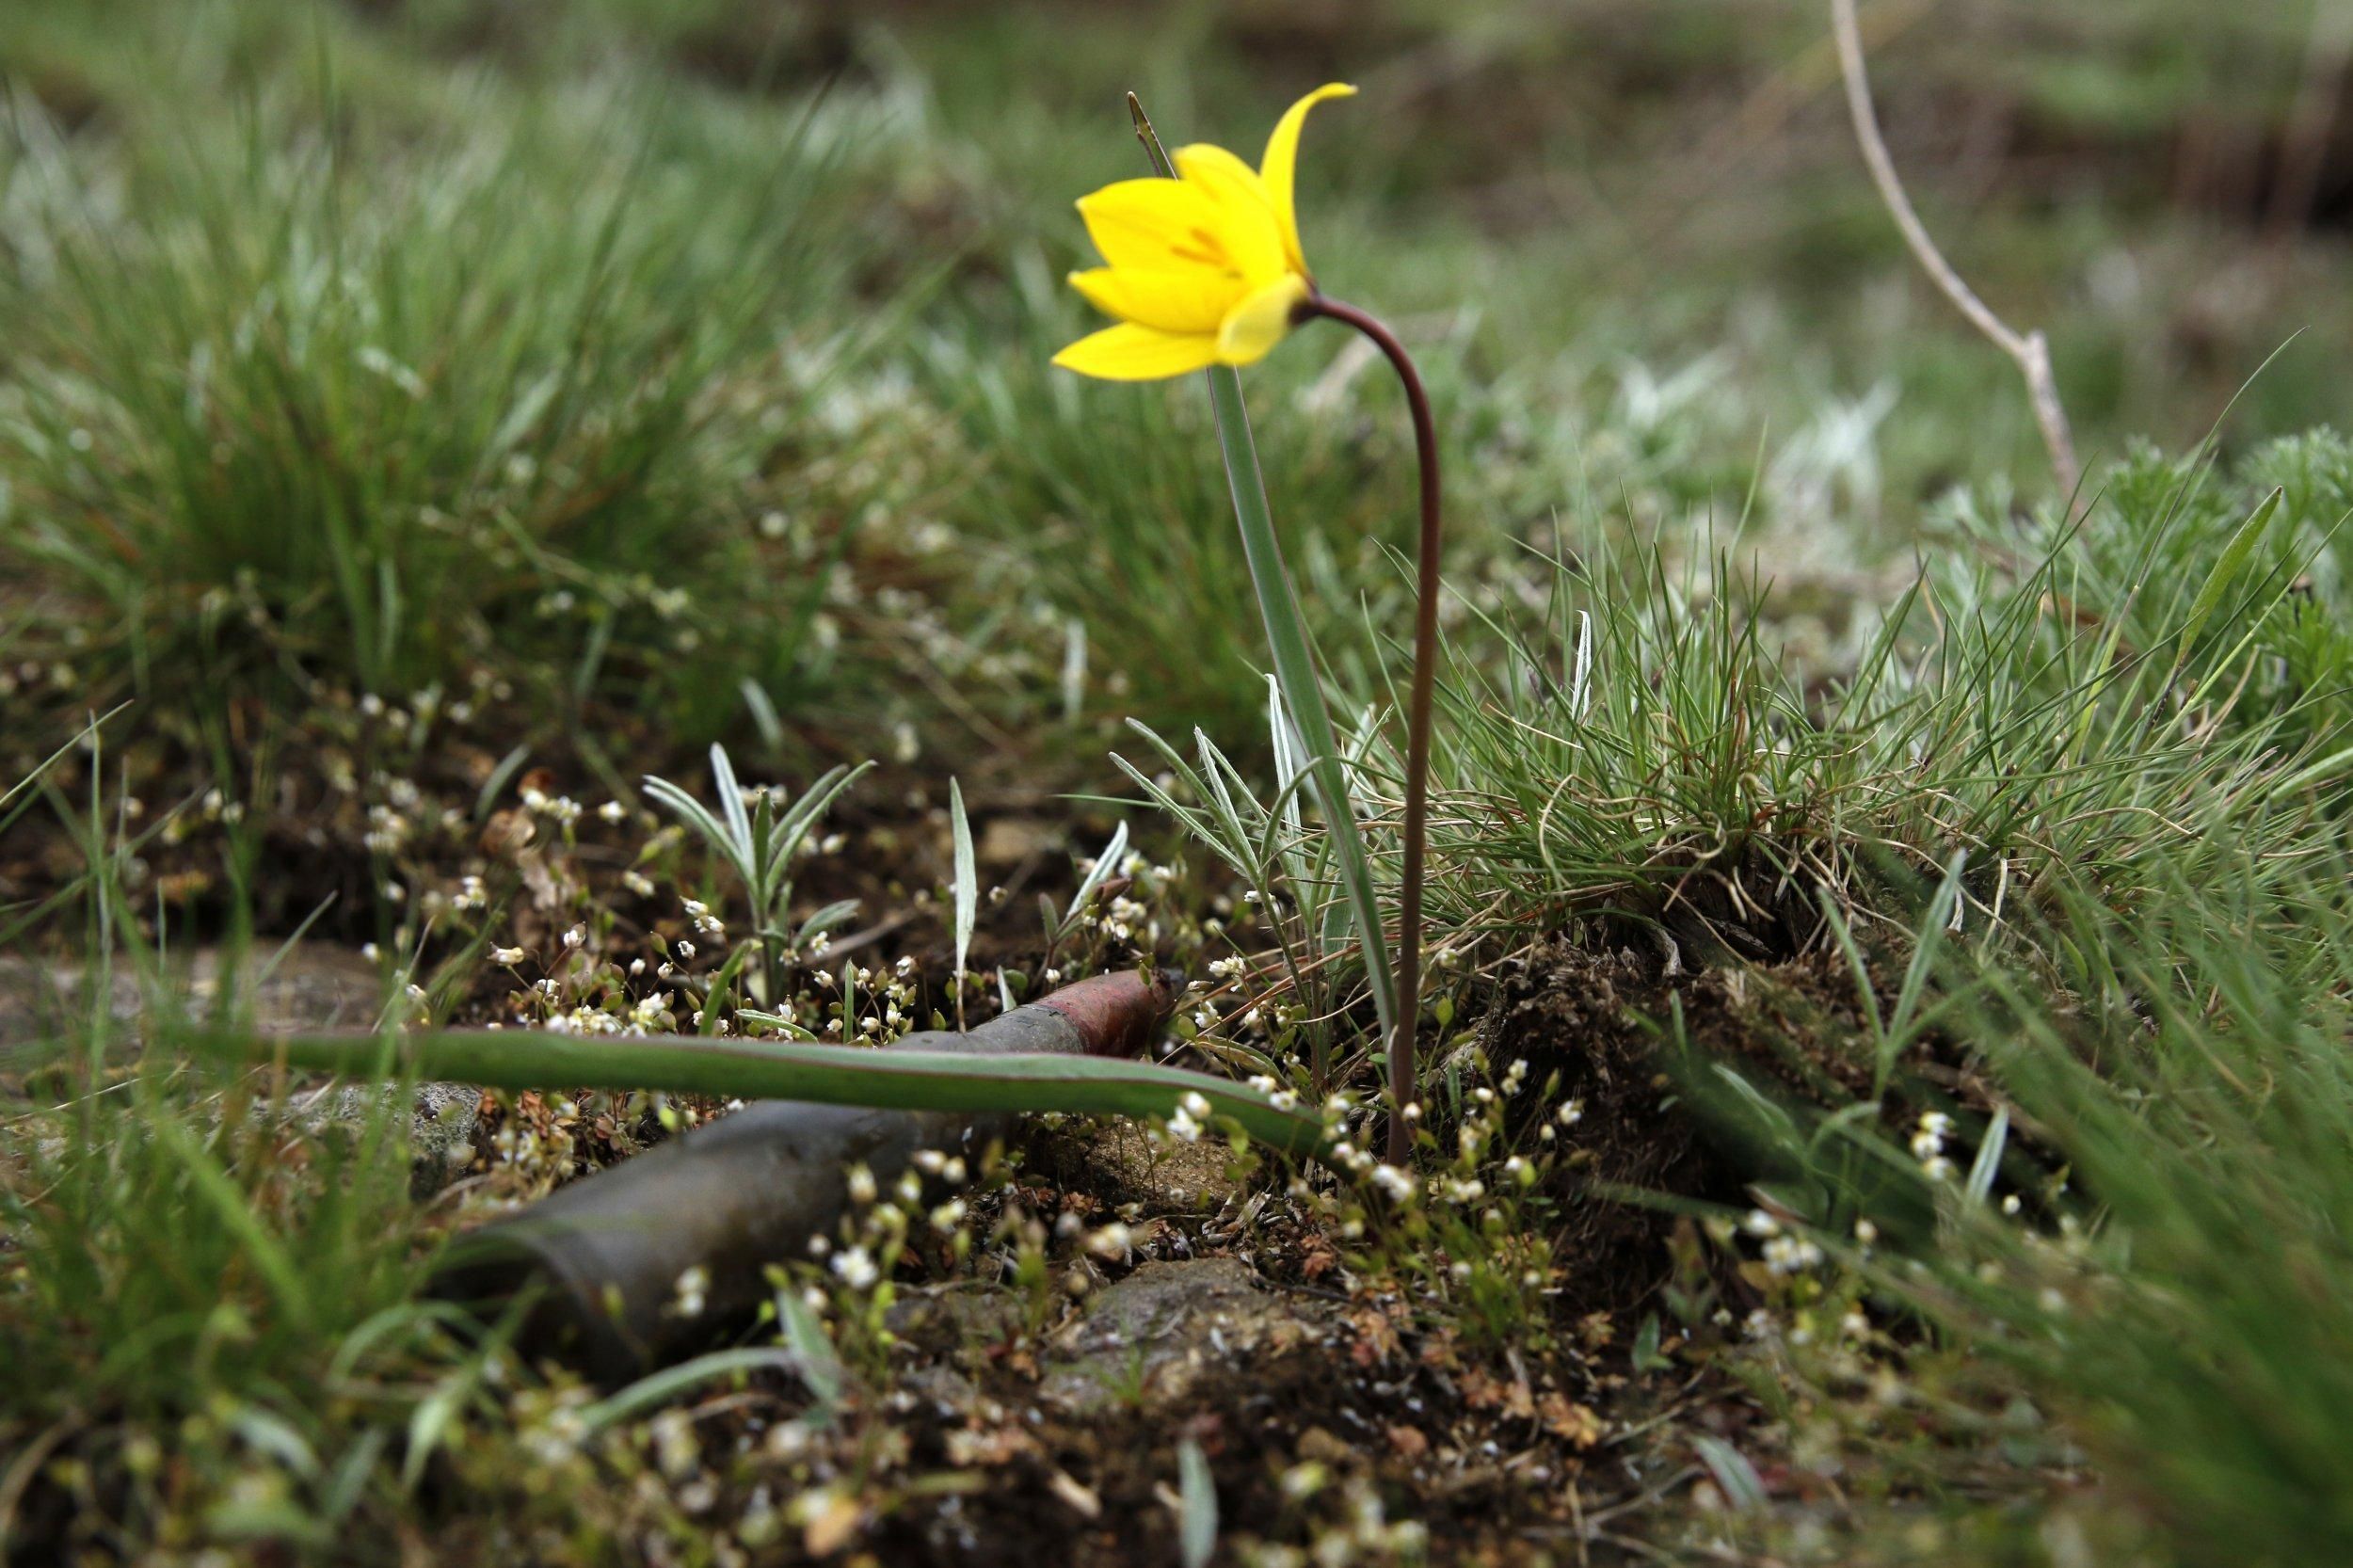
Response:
column 1401, row 1081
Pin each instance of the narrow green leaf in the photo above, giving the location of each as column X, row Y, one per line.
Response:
column 1295, row 669
column 1988, row 1165
column 897, row 1079
column 649, row 1392
column 731, row 802
column 1196, row 1493
column 968, row 889
column 1097, row 874
column 814, row 1354
column 1735, row 1476
column 2226, row 571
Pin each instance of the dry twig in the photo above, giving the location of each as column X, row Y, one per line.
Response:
column 2030, row 349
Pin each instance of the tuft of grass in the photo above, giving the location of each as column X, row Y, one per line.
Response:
column 210, row 1305
column 290, row 404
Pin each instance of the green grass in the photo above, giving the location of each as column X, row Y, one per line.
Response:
column 233, row 1309
column 645, row 376
column 379, row 407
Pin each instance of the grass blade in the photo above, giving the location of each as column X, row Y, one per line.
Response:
column 968, row 889
column 1198, row 1493
column 649, row 1392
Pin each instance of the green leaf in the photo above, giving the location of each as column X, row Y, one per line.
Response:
column 1302, row 692
column 897, row 1079
column 968, row 888
column 1735, row 1476
column 1196, row 1493
column 647, row 1393
column 2227, row 568
column 1647, row 1357
column 812, row 1351
column 1987, row 1167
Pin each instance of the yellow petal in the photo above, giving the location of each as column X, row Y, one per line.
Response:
column 1152, row 224
column 1260, row 322
column 1245, row 234
column 1131, row 353
column 1193, row 301
column 1282, row 158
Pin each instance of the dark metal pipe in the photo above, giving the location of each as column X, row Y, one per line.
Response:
column 598, row 1263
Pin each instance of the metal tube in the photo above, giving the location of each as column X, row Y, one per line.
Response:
column 596, row 1265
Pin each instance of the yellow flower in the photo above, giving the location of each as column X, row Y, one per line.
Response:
column 1205, row 268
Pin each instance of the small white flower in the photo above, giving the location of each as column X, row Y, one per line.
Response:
column 691, row 1292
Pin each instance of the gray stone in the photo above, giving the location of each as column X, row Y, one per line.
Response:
column 442, row 1121
column 307, row 985
column 1154, row 1338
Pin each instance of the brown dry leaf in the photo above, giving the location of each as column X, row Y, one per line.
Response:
column 1376, row 1336
column 831, row 1525
column 507, row 835
column 1570, row 1422
column 1082, row 1499
column 988, row 1447
column 1410, row 1442
column 1485, row 1391
column 1317, row 1257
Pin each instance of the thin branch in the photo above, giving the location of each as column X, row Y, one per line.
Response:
column 2030, row 349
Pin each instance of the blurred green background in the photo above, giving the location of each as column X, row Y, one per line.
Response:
column 685, row 360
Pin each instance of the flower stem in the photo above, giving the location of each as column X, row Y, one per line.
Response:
column 1408, row 986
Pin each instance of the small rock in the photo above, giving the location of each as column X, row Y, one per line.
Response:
column 1151, row 1339
column 442, row 1120
column 306, row 985
column 955, row 1319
